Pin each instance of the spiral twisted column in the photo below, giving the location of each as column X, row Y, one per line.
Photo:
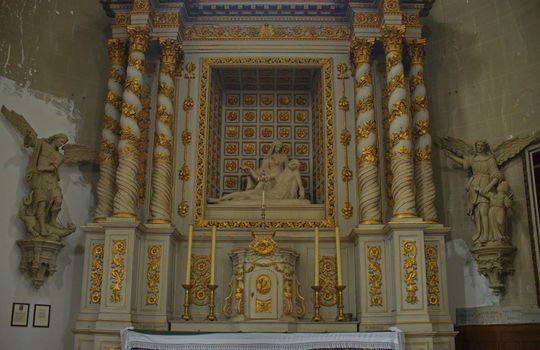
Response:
column 423, row 172
column 367, row 169
column 109, row 135
column 161, row 200
column 132, row 108
column 399, row 124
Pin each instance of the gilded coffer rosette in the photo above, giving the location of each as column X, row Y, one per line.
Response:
column 328, row 140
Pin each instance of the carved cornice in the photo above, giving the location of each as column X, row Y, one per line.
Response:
column 266, row 32
column 366, row 20
column 166, row 19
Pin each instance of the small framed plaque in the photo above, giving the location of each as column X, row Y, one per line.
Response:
column 42, row 315
column 19, row 314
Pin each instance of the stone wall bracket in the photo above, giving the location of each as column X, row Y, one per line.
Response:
column 495, row 262
column 38, row 259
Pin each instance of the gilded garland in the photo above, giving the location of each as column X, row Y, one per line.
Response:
column 375, row 276
column 432, row 272
column 152, row 274
column 410, row 271
column 328, row 117
column 96, row 274
column 117, row 269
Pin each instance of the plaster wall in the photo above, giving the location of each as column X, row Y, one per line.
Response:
column 53, row 70
column 482, row 69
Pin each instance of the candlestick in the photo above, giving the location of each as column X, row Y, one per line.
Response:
column 211, row 304
column 338, row 257
column 317, row 315
column 213, row 257
column 187, row 302
column 340, row 289
column 316, row 257
column 188, row 262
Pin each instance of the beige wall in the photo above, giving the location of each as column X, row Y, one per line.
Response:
column 53, row 70
column 483, row 70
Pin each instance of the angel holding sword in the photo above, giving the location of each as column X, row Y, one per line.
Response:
column 40, row 207
column 486, row 175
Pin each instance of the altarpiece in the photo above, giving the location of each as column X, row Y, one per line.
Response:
column 252, row 126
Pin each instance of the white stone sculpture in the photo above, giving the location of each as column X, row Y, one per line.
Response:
column 489, row 200
column 40, row 207
column 279, row 178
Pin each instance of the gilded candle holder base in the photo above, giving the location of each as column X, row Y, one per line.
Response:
column 317, row 314
column 211, row 303
column 187, row 301
column 340, row 316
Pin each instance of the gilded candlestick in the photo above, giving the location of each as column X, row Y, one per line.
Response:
column 340, row 302
column 317, row 315
column 211, row 304
column 187, row 301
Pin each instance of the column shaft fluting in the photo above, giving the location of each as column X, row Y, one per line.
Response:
column 399, row 122
column 161, row 200
column 128, row 147
column 367, row 164
column 109, row 135
column 423, row 172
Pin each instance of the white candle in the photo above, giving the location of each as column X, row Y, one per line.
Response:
column 189, row 248
column 338, row 258
column 213, row 257
column 316, row 259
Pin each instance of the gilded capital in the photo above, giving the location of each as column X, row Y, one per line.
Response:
column 139, row 38
column 169, row 53
column 391, row 7
column 361, row 50
column 392, row 37
column 116, row 51
column 417, row 51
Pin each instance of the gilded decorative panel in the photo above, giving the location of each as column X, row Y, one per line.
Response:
column 96, row 273
column 258, row 118
column 328, row 280
column 215, row 130
column 153, row 270
column 200, row 275
column 432, row 274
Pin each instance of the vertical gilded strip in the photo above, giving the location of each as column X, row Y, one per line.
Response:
column 410, row 270
column 96, row 274
column 117, row 269
column 345, row 140
column 152, row 274
column 375, row 275
column 432, row 273
column 328, row 280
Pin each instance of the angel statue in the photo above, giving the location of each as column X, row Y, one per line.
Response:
column 487, row 193
column 40, row 207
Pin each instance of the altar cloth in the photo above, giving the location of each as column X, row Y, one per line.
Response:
column 134, row 340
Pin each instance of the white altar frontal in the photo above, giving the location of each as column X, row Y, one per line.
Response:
column 266, row 167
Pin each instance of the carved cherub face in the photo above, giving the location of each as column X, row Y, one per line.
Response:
column 480, row 146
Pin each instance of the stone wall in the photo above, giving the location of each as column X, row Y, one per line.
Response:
column 53, row 70
column 482, row 70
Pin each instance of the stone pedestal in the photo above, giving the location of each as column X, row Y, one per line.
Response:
column 38, row 259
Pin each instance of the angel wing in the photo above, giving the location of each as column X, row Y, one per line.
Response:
column 19, row 123
column 457, row 146
column 74, row 153
column 508, row 149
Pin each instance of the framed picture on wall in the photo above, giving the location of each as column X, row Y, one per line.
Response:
column 42, row 315
column 19, row 314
